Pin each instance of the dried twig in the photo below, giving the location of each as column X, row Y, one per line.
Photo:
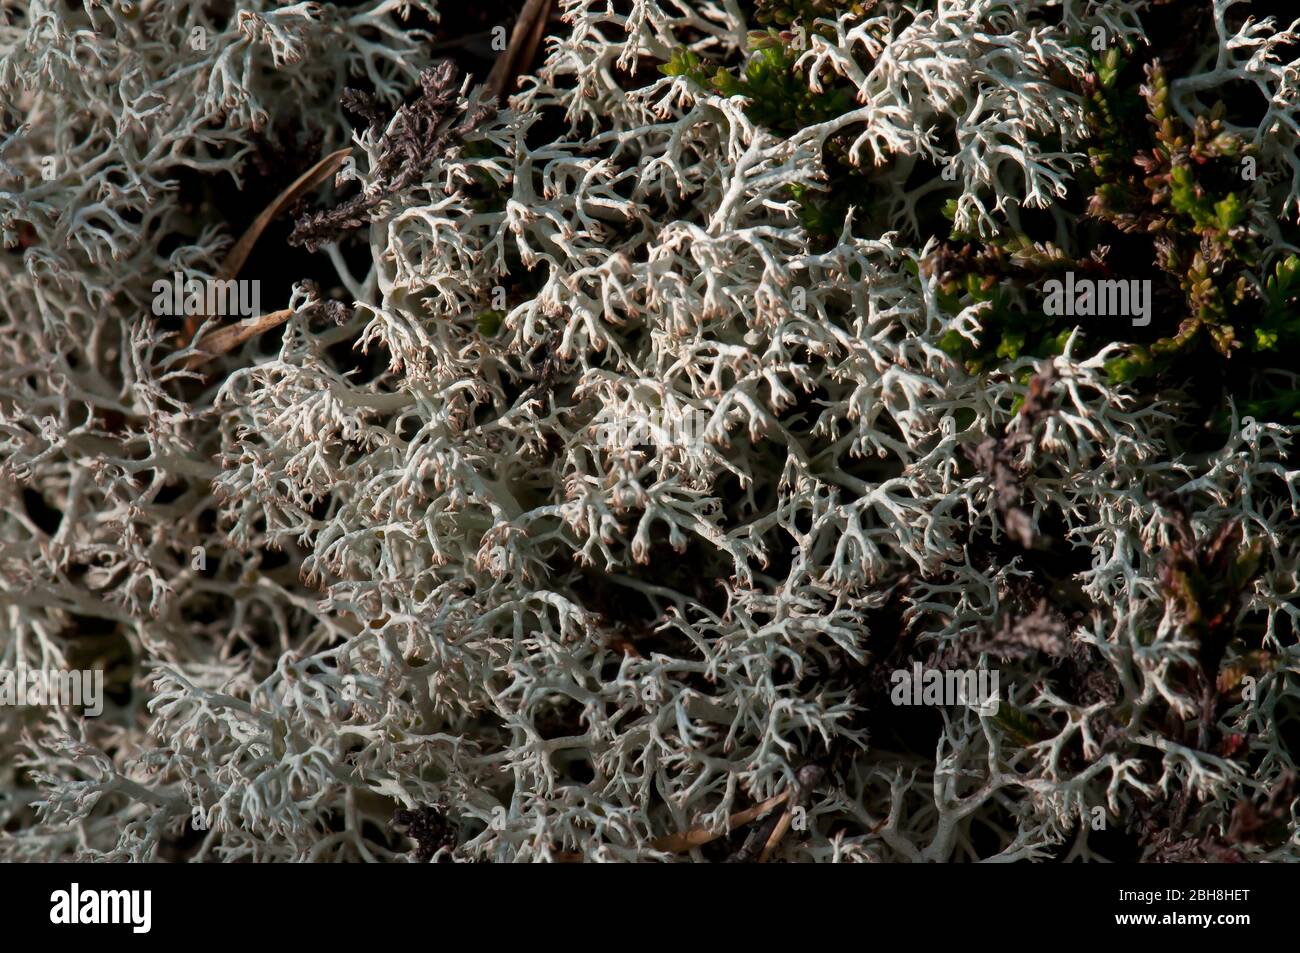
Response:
column 230, row 337
column 313, row 177
column 756, row 843
column 699, row 836
column 810, row 775
column 234, row 261
column 524, row 40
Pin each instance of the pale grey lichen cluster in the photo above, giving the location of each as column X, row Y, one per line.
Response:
column 487, row 603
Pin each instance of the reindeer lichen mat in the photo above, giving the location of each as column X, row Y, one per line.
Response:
column 750, row 430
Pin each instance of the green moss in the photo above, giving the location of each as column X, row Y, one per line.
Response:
column 1279, row 326
column 486, row 194
column 780, row 100
column 777, row 89
column 1018, row 726
column 489, row 322
column 990, row 273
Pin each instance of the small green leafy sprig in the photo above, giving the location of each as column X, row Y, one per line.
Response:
column 1156, row 180
column 1182, row 187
